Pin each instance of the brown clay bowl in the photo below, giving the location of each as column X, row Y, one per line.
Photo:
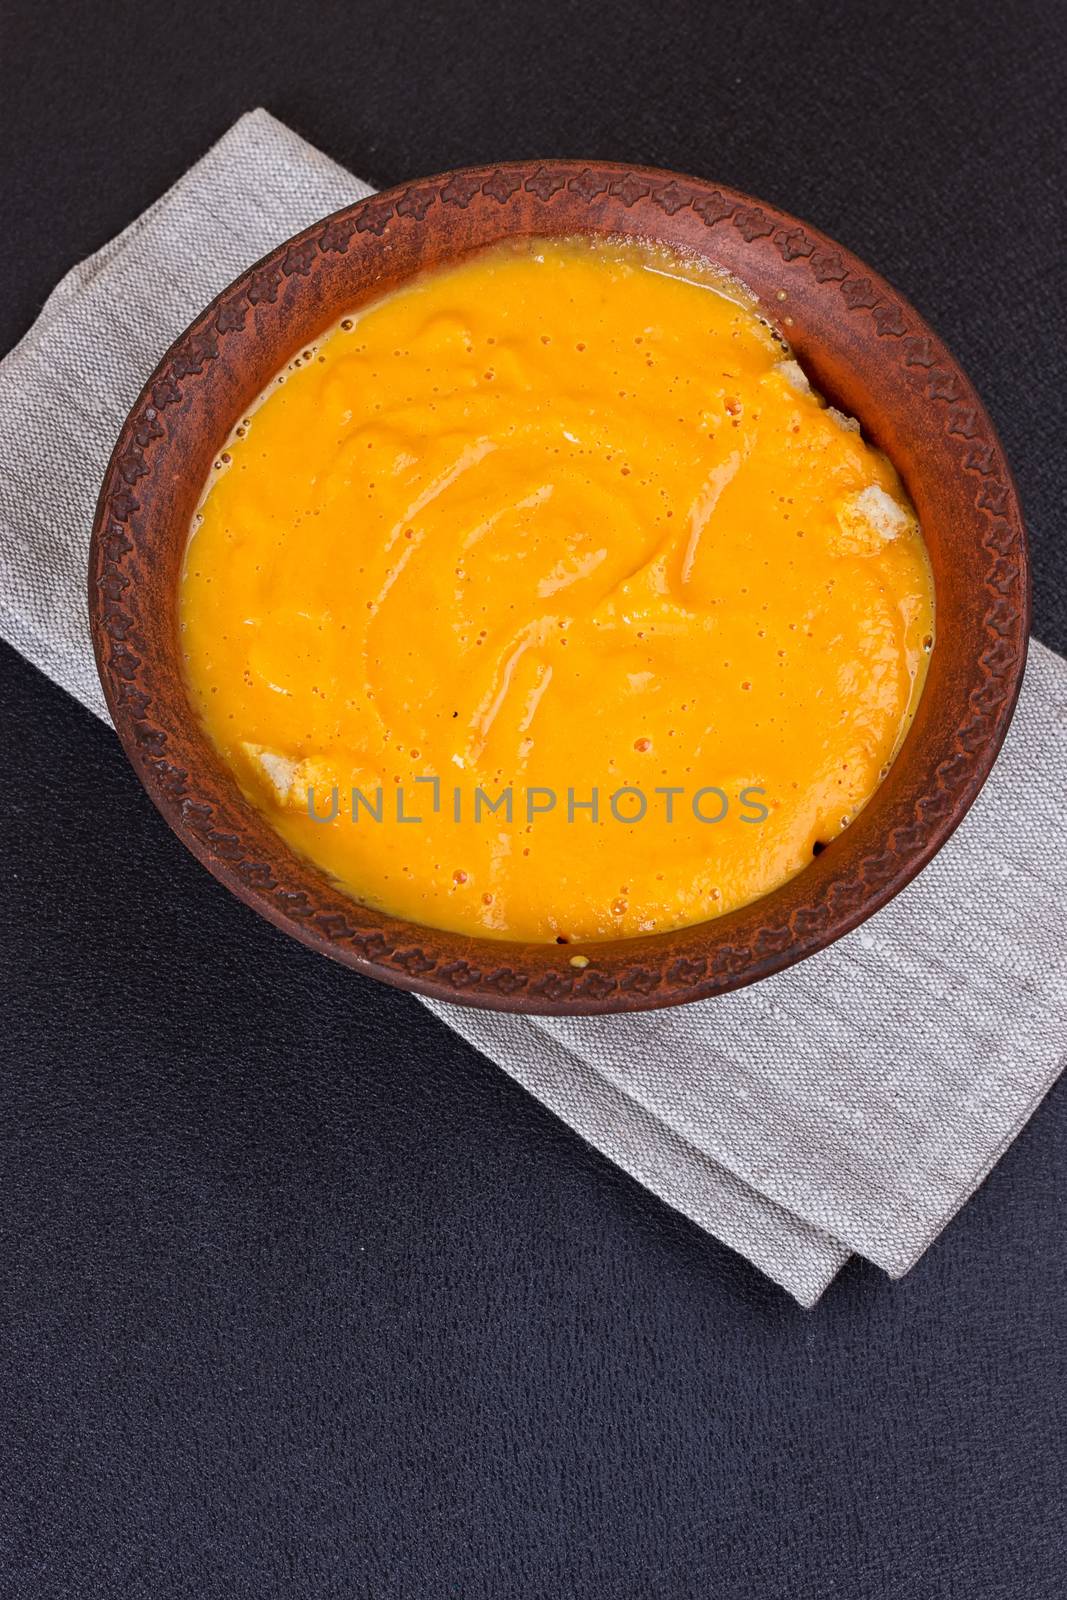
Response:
column 865, row 349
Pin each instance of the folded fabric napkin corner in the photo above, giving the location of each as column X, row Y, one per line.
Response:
column 851, row 1104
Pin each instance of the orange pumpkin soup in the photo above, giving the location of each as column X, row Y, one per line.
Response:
column 543, row 598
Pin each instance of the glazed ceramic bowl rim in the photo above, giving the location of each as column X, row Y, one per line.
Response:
column 864, row 346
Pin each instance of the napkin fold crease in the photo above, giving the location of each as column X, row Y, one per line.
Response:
column 851, row 1104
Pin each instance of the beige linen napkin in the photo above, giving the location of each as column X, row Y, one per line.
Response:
column 851, row 1104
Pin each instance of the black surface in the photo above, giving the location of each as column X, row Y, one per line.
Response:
column 299, row 1296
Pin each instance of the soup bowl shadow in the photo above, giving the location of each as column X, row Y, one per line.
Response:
column 863, row 347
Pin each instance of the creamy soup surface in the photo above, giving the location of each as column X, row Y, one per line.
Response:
column 542, row 598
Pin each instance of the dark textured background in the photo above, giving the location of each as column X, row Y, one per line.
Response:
column 299, row 1296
